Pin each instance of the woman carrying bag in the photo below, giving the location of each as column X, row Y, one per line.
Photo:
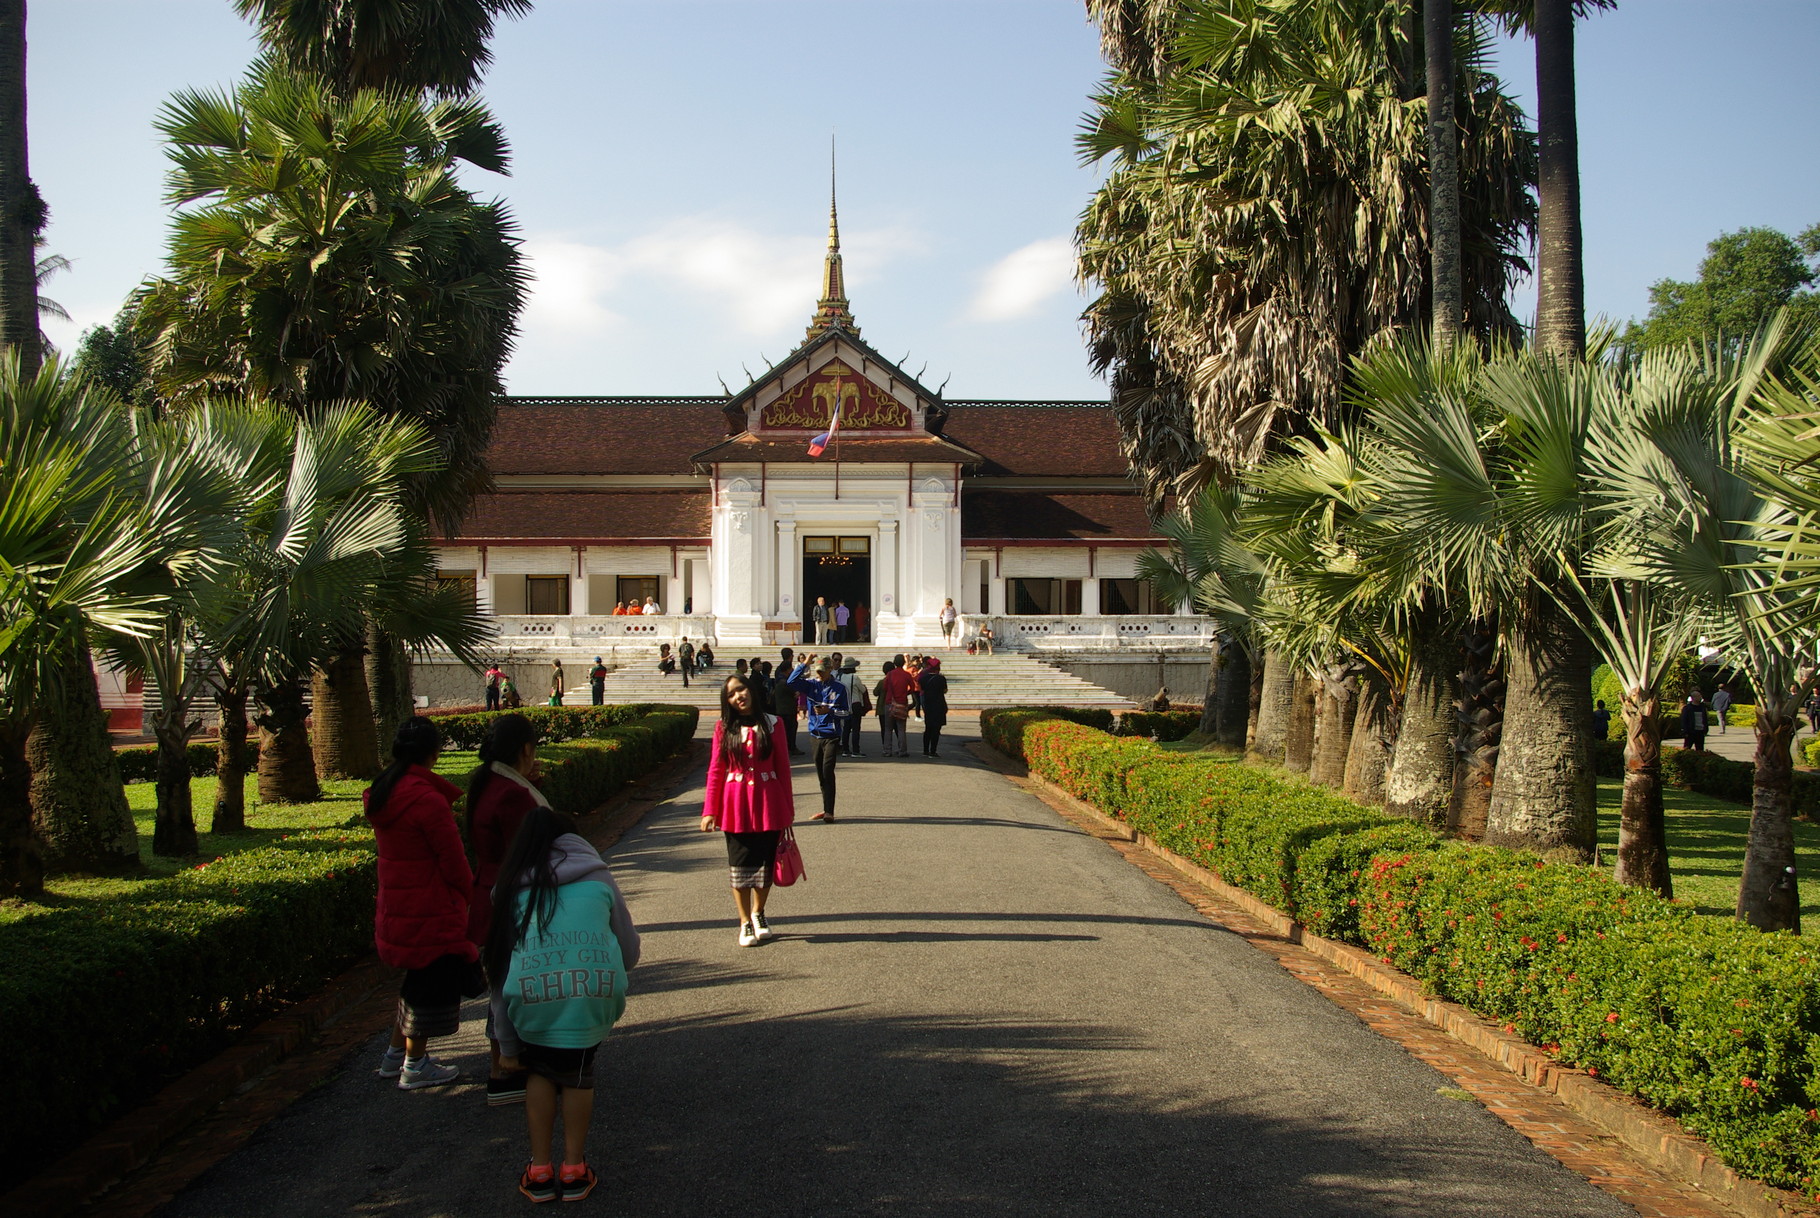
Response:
column 749, row 800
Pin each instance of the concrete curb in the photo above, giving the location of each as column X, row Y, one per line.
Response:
column 134, row 1139
column 1657, row 1139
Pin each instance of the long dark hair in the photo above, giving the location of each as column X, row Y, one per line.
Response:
column 528, row 868
column 505, row 739
column 731, row 721
column 416, row 743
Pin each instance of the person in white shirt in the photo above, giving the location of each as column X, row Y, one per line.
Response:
column 651, row 606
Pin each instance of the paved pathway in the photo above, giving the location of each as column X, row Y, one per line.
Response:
column 972, row 1008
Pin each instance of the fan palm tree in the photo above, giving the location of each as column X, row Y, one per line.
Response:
column 22, row 211
column 415, row 45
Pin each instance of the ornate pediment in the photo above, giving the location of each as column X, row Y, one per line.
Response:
column 875, row 397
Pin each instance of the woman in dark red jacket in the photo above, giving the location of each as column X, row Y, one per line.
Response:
column 500, row 793
column 421, row 924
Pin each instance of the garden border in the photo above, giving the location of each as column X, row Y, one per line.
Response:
column 1658, row 1140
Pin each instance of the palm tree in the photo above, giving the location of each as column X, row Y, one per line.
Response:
column 1443, row 173
column 1560, row 277
column 22, row 211
column 413, row 45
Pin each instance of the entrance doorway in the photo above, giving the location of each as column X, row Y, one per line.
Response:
column 840, row 569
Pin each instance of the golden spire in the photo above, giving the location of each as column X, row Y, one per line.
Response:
column 831, row 310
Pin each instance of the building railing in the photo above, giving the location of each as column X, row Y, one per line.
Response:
column 584, row 629
column 1061, row 632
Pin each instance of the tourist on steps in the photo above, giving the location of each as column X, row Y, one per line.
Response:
column 420, row 923
column 749, row 800
column 827, row 699
column 685, row 659
column 597, row 681
column 556, row 901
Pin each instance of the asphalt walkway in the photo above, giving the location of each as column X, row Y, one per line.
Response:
column 971, row 1008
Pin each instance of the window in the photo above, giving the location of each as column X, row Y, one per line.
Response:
column 463, row 580
column 547, row 594
column 818, row 545
column 634, row 588
column 1044, row 597
column 1128, row 596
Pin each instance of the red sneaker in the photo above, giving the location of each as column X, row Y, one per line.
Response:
column 578, row 1180
column 538, row 1183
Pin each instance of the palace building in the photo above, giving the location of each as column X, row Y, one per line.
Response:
column 836, row 475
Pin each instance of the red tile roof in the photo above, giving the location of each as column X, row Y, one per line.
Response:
column 997, row 515
column 576, row 516
column 1041, row 438
column 603, row 435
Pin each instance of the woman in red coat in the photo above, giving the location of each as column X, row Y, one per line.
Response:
column 500, row 793
column 749, row 800
column 421, row 924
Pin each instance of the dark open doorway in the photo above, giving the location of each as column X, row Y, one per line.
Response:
column 840, row 569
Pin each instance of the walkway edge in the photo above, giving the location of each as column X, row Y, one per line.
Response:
column 134, row 1139
column 1658, row 1140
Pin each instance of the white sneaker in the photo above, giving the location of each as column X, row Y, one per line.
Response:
column 391, row 1063
column 747, row 937
column 761, row 929
column 427, row 1073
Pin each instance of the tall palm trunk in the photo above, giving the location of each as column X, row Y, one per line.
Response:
column 1481, row 723
column 1233, row 713
column 1216, row 681
column 21, row 853
column 1560, row 279
column 232, row 762
column 1443, row 176
column 1767, row 896
column 1374, row 731
column 1544, row 797
column 21, row 207
column 388, row 686
column 1642, row 826
column 1339, row 689
column 174, row 823
column 1254, row 702
column 1274, row 706
column 78, row 798
column 1419, row 783
column 1298, row 737
column 287, row 766
column 345, row 741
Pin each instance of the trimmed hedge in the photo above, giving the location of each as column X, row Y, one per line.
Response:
column 1171, row 725
column 152, row 982
column 465, row 729
column 1703, row 1017
column 139, row 762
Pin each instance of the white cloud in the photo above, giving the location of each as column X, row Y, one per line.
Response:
column 1022, row 280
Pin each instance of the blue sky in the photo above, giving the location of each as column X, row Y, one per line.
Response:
column 670, row 171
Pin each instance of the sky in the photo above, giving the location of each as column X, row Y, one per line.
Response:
column 670, row 169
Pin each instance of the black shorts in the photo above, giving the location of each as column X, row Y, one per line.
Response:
column 564, row 1067
column 429, row 1002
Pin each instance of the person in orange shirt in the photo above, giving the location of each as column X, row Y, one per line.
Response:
column 619, row 608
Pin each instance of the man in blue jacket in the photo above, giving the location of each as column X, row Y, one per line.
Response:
column 827, row 717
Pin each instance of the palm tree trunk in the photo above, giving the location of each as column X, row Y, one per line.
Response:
column 78, row 799
column 1234, row 712
column 1216, row 681
column 287, row 767
column 388, row 686
column 1544, row 797
column 21, row 853
column 1368, row 754
column 1443, row 176
column 22, row 214
column 1480, row 709
column 1642, row 826
column 231, row 763
column 1768, row 898
column 1274, row 706
column 1560, row 279
column 174, row 826
column 1254, row 703
column 1298, row 737
column 1419, row 783
column 344, row 741
column 1339, row 687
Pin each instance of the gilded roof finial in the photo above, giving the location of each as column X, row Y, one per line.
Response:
column 832, row 310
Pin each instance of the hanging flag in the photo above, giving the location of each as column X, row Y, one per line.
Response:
column 820, row 443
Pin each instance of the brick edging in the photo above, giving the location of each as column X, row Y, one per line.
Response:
column 1657, row 1139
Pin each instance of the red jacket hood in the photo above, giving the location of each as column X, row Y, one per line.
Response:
column 416, row 782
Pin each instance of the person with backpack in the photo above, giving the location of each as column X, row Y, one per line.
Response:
column 859, row 705
column 749, row 800
column 685, row 660
column 420, row 923
column 828, row 715
column 559, row 948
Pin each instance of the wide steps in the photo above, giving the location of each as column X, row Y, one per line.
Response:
column 974, row 682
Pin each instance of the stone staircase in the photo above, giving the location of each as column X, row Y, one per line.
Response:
column 974, row 682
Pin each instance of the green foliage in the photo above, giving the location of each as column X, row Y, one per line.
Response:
column 112, row 356
column 1166, row 725
column 1706, row 1018
column 1745, row 277
column 153, row 982
column 1607, row 688
column 465, row 729
column 1742, row 716
column 584, row 773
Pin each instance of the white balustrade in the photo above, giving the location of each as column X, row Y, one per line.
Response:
column 587, row 629
column 1107, row 632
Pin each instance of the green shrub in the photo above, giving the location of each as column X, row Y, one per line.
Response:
column 1608, row 689
column 580, row 775
column 1706, row 1018
column 1176, row 724
column 139, row 762
column 466, row 729
column 1741, row 716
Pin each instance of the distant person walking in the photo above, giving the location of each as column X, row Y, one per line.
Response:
column 823, row 619
column 949, row 616
column 493, row 677
column 748, row 798
column 842, row 615
column 1601, row 719
column 783, row 698
column 420, row 923
column 557, row 902
column 893, row 698
column 828, row 715
column 685, row 659
column 597, row 681
column 862, row 623
column 932, row 700
column 858, row 707
column 557, row 683
column 1694, row 717
column 1722, row 702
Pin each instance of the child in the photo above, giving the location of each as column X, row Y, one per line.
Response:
column 558, row 952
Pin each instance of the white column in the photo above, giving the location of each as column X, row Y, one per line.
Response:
column 483, row 594
column 701, row 590
column 578, row 584
column 885, row 572
column 1090, row 597
column 787, row 570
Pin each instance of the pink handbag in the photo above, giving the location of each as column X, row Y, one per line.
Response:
column 787, row 867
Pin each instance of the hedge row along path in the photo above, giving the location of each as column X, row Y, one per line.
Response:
column 973, row 1006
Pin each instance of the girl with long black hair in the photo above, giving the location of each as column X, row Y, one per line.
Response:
column 560, row 944
column 748, row 799
column 421, row 922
